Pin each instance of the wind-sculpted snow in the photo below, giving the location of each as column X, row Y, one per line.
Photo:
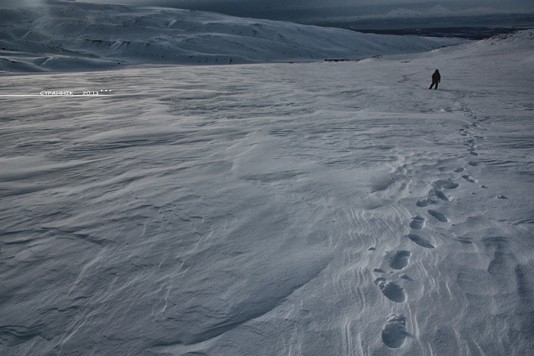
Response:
column 272, row 209
column 77, row 36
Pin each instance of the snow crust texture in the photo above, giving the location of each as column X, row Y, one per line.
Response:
column 76, row 36
column 272, row 209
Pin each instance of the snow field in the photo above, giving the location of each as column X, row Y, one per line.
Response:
column 301, row 209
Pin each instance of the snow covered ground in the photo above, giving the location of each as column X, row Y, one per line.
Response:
column 272, row 209
column 77, row 36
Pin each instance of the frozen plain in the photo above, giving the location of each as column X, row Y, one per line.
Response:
column 273, row 209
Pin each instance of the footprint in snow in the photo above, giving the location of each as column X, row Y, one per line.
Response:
column 394, row 333
column 420, row 241
column 425, row 202
column 441, row 217
column 442, row 195
column 391, row 290
column 469, row 178
column 417, row 223
column 445, row 184
column 399, row 259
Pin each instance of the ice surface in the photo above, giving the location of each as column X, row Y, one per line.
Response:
column 272, row 209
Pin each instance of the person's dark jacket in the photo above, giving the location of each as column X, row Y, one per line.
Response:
column 436, row 77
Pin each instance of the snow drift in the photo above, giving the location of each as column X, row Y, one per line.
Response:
column 283, row 209
column 77, row 36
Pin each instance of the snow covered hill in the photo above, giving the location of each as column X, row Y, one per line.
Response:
column 272, row 209
column 76, row 36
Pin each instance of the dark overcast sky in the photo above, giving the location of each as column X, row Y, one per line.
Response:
column 313, row 10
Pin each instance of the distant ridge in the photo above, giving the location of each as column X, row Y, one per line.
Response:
column 72, row 36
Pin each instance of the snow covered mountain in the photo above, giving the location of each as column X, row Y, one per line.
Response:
column 76, row 36
column 282, row 209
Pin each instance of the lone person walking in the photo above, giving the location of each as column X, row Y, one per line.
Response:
column 436, row 78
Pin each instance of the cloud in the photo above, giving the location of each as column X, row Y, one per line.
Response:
column 302, row 10
column 21, row 3
column 28, row 3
